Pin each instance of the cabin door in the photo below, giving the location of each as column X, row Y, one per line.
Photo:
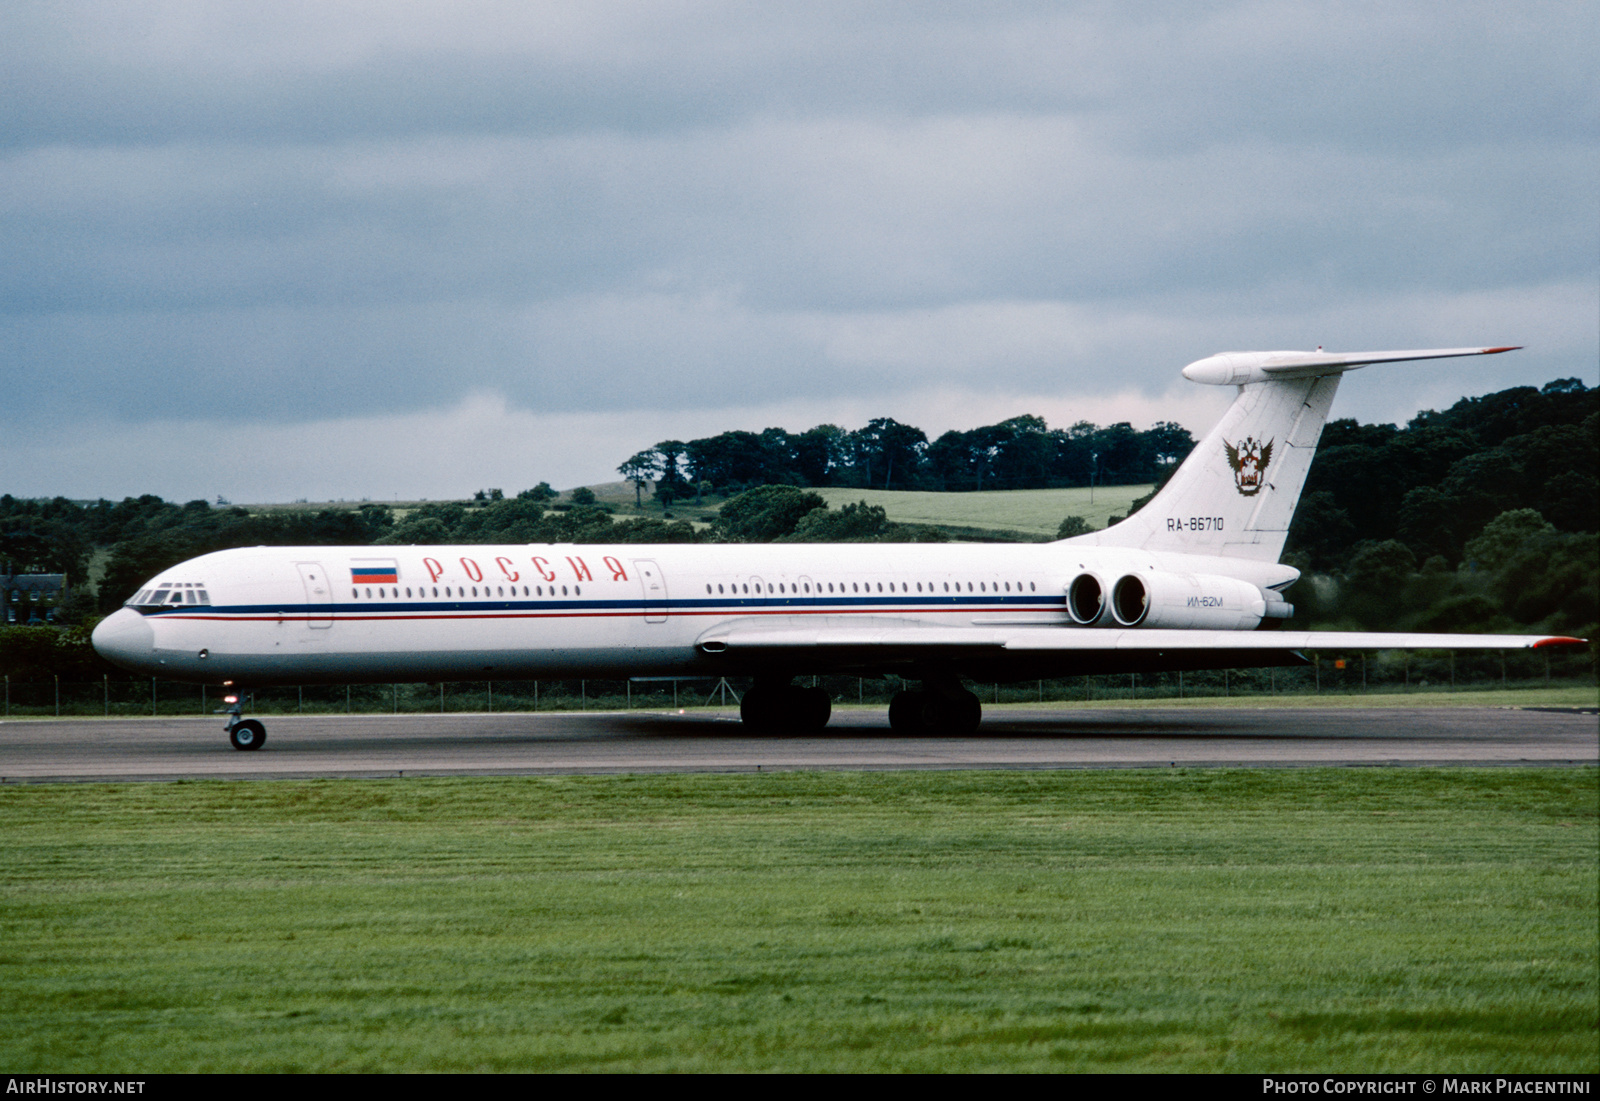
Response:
column 655, row 590
column 319, row 594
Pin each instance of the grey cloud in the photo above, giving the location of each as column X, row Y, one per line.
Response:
column 358, row 210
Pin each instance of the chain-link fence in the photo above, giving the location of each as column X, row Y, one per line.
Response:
column 1392, row 671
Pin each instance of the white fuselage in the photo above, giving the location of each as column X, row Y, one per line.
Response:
column 285, row 615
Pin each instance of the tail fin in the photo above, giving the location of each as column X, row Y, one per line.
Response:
column 1236, row 492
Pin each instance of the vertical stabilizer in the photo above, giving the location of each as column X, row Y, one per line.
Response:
column 1236, row 493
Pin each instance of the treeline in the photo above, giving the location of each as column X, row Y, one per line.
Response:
column 1020, row 453
column 1435, row 483
column 1481, row 517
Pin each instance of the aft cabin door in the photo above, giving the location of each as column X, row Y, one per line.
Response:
column 319, row 594
column 655, row 590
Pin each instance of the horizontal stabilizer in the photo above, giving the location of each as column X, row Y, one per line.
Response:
column 1238, row 368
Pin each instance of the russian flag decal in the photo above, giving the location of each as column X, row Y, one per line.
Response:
column 374, row 575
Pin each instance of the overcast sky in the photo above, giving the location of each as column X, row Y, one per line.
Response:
column 331, row 249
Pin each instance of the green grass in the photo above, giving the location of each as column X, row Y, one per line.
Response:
column 1024, row 511
column 1395, row 920
column 1030, row 513
column 1560, row 695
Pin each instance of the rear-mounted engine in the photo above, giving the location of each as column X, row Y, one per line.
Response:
column 1155, row 599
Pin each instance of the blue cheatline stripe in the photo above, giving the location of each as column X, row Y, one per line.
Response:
column 631, row 606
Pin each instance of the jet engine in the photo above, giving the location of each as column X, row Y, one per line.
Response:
column 1158, row 599
column 1086, row 599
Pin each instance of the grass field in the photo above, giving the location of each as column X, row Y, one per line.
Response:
column 1025, row 511
column 1032, row 512
column 1373, row 920
column 1029, row 512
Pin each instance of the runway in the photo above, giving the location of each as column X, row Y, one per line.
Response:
column 616, row 742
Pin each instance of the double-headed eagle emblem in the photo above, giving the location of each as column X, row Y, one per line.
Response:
column 1249, row 459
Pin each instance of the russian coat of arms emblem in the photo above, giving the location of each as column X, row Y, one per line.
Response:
column 1249, row 459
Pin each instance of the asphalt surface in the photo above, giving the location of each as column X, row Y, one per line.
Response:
column 610, row 742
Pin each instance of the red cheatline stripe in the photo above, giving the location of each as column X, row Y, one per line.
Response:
column 348, row 618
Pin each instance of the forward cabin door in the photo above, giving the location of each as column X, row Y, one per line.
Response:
column 655, row 590
column 319, row 594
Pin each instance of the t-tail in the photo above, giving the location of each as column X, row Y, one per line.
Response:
column 1236, row 493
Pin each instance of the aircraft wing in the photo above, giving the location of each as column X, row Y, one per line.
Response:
column 890, row 635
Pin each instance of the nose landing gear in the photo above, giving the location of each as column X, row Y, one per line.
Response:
column 243, row 733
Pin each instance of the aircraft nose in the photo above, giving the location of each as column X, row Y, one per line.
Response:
column 125, row 638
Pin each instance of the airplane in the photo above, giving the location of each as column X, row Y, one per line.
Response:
column 1190, row 581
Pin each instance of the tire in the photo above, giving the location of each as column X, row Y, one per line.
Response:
column 955, row 716
column 905, row 712
column 762, row 710
column 248, row 735
column 813, row 708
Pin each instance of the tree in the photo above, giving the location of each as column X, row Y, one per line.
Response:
column 672, row 484
column 887, row 445
column 1505, row 535
column 763, row 514
column 641, row 469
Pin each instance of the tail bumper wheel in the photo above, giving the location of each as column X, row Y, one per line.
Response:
column 248, row 734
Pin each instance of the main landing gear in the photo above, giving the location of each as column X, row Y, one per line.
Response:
column 243, row 733
column 940, row 706
column 774, row 706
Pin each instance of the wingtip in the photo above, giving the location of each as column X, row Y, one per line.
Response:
column 1507, row 348
column 1560, row 640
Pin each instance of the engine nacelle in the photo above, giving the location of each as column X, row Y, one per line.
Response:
column 1155, row 599
column 1086, row 599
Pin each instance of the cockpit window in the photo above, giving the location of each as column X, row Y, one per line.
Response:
column 167, row 595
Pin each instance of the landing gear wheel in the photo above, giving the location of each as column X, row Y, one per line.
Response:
column 905, row 712
column 813, row 708
column 785, row 709
column 956, row 715
column 761, row 709
column 248, row 734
